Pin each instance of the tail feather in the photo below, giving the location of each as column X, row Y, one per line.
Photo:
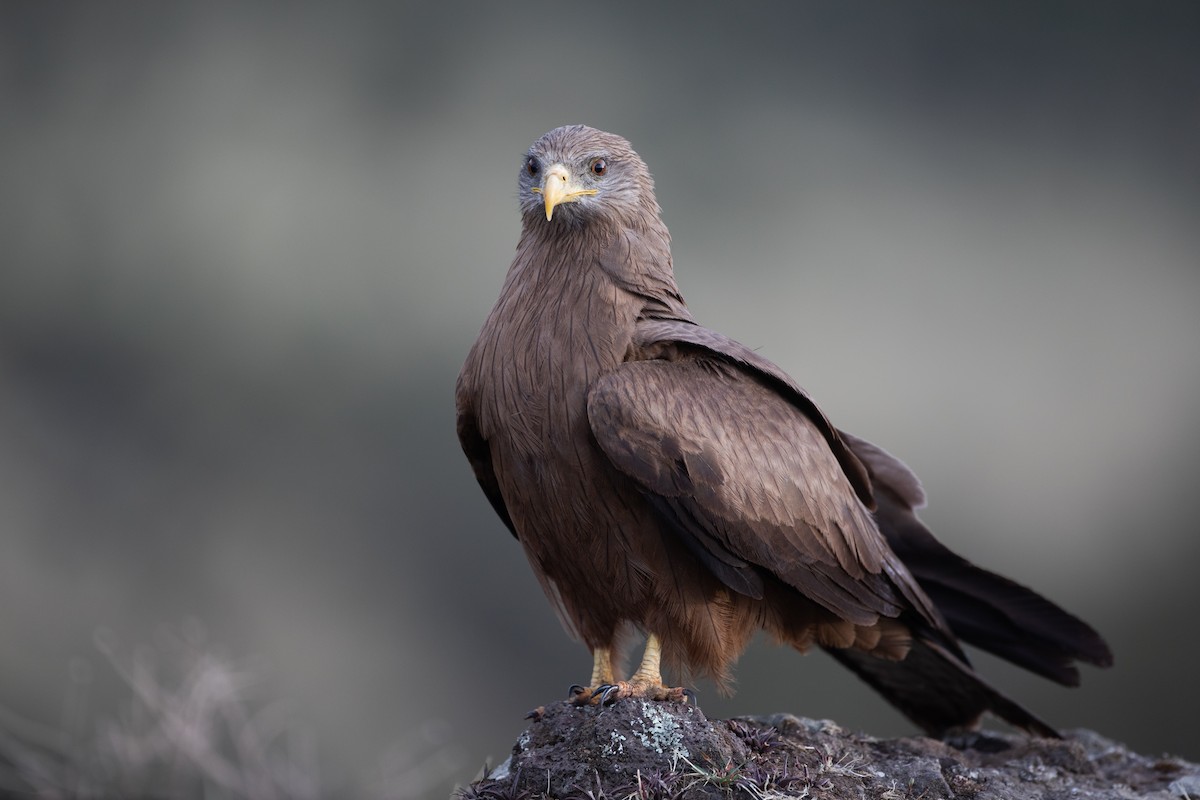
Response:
column 982, row 608
column 935, row 685
column 939, row 691
column 988, row 610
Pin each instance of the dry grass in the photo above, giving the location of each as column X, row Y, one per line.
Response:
column 195, row 725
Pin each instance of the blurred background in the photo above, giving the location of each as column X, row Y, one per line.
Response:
column 245, row 248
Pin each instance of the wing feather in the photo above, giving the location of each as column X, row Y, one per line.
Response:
column 748, row 480
column 985, row 609
column 479, row 455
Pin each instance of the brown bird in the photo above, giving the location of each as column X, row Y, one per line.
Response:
column 664, row 478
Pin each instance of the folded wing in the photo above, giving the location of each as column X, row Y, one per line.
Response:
column 987, row 610
column 749, row 481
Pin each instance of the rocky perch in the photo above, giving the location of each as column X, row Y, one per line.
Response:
column 638, row 750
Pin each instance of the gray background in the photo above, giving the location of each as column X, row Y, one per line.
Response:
column 245, row 249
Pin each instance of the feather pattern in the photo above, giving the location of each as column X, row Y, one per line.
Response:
column 985, row 609
column 661, row 476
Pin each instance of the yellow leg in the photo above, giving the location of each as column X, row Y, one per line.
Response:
column 649, row 672
column 647, row 682
column 603, row 672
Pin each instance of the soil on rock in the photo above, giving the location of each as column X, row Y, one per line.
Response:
column 650, row 751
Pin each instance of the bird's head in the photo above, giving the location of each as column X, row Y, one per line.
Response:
column 575, row 175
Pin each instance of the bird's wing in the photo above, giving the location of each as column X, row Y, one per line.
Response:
column 478, row 454
column 747, row 478
column 670, row 334
column 985, row 609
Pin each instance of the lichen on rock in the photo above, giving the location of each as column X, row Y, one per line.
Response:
column 639, row 750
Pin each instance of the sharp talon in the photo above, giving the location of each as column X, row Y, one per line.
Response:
column 537, row 714
column 576, row 690
column 607, row 698
column 603, row 688
column 690, row 696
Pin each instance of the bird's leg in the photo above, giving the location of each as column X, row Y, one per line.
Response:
column 604, row 674
column 646, row 682
column 649, row 672
column 603, row 670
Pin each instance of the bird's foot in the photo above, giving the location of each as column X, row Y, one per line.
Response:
column 646, row 683
column 606, row 694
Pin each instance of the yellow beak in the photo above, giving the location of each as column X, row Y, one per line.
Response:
column 558, row 187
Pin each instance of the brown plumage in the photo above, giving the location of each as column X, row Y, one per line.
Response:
column 663, row 477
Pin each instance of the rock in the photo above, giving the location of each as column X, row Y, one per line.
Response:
column 649, row 750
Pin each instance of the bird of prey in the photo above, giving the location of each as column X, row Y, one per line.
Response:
column 664, row 478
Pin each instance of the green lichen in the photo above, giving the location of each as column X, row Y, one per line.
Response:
column 615, row 745
column 660, row 731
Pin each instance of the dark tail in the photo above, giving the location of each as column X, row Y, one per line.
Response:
column 988, row 610
column 937, row 690
column 935, row 685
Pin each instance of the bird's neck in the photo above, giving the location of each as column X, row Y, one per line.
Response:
column 568, row 313
column 633, row 257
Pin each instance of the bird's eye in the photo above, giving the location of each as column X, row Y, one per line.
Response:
column 599, row 166
column 531, row 166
